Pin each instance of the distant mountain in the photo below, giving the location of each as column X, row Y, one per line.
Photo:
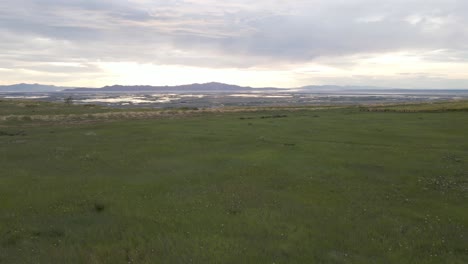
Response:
column 24, row 87
column 222, row 87
column 375, row 90
column 196, row 87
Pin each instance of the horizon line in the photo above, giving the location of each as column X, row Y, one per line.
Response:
column 242, row 86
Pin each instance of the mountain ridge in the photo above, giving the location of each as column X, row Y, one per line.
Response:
column 211, row 87
column 25, row 87
column 202, row 87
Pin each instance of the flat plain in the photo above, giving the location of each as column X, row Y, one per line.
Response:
column 372, row 184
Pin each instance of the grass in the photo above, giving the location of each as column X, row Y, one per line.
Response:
column 30, row 107
column 453, row 106
column 266, row 186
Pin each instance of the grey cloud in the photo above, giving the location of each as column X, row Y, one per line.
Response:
column 336, row 32
column 228, row 33
column 312, row 29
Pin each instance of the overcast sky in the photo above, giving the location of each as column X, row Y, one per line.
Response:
column 282, row 43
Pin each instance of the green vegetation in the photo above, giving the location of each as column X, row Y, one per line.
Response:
column 29, row 107
column 266, row 186
column 455, row 106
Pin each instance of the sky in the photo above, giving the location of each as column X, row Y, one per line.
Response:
column 261, row 43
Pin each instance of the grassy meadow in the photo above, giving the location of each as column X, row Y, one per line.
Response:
column 267, row 186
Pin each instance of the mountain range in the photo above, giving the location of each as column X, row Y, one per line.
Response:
column 25, row 88
column 196, row 87
column 220, row 87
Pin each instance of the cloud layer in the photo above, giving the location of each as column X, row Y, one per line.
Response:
column 411, row 43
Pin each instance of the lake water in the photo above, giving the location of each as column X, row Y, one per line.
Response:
column 257, row 98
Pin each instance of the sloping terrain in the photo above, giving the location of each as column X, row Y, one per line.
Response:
column 269, row 185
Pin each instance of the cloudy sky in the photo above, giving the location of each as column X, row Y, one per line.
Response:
column 282, row 43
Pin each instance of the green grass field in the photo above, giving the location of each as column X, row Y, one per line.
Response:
column 266, row 186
